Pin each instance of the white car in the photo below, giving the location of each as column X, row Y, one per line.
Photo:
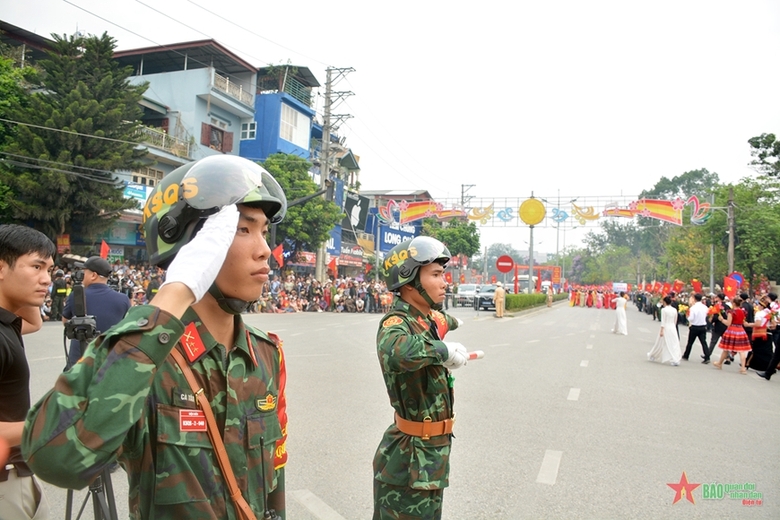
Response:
column 466, row 294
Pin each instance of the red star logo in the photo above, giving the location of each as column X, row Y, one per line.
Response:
column 683, row 489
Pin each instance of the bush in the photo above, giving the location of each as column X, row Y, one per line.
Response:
column 517, row 302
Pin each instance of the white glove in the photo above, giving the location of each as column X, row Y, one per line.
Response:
column 460, row 322
column 457, row 355
column 197, row 263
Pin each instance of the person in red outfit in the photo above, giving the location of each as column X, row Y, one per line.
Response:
column 735, row 339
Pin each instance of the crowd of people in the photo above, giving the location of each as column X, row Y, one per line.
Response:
column 744, row 327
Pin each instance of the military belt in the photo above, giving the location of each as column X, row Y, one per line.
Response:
column 426, row 428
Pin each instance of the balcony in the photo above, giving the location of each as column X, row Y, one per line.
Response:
column 234, row 90
column 162, row 140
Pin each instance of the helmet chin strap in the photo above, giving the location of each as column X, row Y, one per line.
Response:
column 229, row 305
column 417, row 285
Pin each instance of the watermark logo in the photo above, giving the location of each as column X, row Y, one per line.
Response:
column 745, row 492
column 683, row 489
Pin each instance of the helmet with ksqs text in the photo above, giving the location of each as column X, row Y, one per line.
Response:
column 403, row 262
column 182, row 201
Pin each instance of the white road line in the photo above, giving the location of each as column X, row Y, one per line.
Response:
column 548, row 473
column 584, row 363
column 45, row 359
column 533, row 341
column 589, row 347
column 574, row 394
column 315, row 506
column 296, row 334
column 500, row 345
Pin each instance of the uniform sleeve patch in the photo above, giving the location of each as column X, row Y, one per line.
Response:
column 391, row 321
column 267, row 403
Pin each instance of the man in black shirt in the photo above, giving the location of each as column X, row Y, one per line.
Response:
column 26, row 256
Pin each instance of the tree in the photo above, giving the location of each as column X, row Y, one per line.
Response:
column 766, row 150
column 461, row 238
column 307, row 226
column 63, row 182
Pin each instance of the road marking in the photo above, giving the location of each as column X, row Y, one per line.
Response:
column 548, row 473
column 296, row 334
column 315, row 506
column 45, row 359
column 533, row 341
column 574, row 394
column 589, row 347
column 584, row 363
column 500, row 345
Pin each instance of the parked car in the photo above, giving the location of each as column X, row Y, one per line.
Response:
column 486, row 293
column 465, row 296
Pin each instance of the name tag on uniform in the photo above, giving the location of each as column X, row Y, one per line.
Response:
column 192, row 421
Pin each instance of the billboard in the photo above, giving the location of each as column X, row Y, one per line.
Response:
column 356, row 212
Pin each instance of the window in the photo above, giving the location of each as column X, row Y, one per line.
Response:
column 294, row 127
column 216, row 138
column 248, row 130
column 148, row 176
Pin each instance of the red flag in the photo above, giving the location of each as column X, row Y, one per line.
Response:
column 104, row 250
column 678, row 286
column 657, row 287
column 730, row 286
column 333, row 266
column 278, row 253
column 368, row 268
column 448, row 277
column 696, row 285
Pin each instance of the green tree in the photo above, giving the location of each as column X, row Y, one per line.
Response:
column 765, row 149
column 62, row 181
column 461, row 238
column 307, row 226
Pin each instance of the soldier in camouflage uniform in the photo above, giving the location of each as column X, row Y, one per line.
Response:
column 411, row 465
column 126, row 398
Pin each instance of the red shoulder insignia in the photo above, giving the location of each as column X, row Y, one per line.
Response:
column 392, row 320
column 193, row 345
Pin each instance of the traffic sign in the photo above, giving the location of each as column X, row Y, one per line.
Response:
column 504, row 264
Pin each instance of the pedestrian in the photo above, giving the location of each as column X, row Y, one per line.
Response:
column 148, row 399
column 735, row 339
column 106, row 305
column 411, row 465
column 26, row 256
column 718, row 310
column 621, row 322
column 59, row 291
column 761, row 340
column 697, row 328
column 499, row 299
column 447, row 296
column 667, row 344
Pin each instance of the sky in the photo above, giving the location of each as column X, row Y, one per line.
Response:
column 564, row 99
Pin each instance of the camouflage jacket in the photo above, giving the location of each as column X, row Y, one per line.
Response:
column 127, row 399
column 411, row 354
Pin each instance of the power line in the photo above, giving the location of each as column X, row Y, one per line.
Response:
column 255, row 34
column 57, row 163
column 38, row 167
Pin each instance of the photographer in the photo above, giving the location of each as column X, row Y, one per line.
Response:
column 106, row 305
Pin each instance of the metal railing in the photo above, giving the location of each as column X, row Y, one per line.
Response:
column 234, row 90
column 160, row 139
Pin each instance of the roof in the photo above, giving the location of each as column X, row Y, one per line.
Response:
column 302, row 74
column 199, row 54
column 397, row 194
column 15, row 36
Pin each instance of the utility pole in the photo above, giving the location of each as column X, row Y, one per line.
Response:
column 320, row 272
column 730, row 210
column 463, row 198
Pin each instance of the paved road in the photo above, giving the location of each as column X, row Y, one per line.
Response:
column 561, row 419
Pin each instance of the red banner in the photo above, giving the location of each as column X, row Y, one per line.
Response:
column 730, row 286
column 696, row 285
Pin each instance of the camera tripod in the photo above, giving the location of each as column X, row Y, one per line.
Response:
column 102, row 492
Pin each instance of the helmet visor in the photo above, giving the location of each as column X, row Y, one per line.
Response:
column 218, row 181
column 425, row 250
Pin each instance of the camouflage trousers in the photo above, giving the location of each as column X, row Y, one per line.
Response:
column 402, row 503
